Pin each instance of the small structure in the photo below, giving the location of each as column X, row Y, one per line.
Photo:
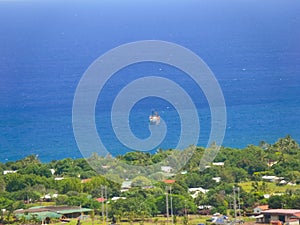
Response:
column 101, row 200
column 217, row 179
column 9, row 171
column 166, row 169
column 281, row 216
column 126, row 185
column 45, row 214
column 258, row 209
column 52, row 171
column 169, row 181
column 117, row 198
column 272, row 178
column 85, row 180
column 282, row 182
column 271, row 163
column 195, row 191
column 218, row 163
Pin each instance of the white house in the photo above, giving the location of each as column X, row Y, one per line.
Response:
column 166, row 169
column 9, row 171
column 126, row 185
column 52, row 171
column 218, row 163
column 117, row 198
column 195, row 191
column 271, row 178
column 217, row 179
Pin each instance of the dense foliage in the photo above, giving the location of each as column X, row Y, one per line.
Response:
column 73, row 182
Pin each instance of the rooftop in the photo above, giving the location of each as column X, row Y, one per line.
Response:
column 56, row 209
column 295, row 212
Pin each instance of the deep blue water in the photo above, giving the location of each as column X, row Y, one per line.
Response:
column 252, row 47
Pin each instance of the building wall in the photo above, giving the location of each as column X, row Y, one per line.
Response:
column 294, row 222
column 274, row 218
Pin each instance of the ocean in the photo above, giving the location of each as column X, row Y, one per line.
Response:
column 252, row 47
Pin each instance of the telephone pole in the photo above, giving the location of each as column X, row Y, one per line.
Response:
column 234, row 204
column 171, row 198
column 102, row 203
column 167, row 204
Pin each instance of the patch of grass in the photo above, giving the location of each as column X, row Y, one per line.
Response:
column 40, row 204
column 193, row 220
column 271, row 186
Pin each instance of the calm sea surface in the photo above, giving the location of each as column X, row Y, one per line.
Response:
column 252, row 47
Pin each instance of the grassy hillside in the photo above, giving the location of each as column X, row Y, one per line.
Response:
column 271, row 187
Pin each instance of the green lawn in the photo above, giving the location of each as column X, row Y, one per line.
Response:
column 193, row 220
column 273, row 188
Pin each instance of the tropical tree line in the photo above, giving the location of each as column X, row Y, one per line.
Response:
column 74, row 182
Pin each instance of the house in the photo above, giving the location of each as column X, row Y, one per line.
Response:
column 217, row 179
column 48, row 197
column 195, row 191
column 271, row 163
column 169, row 181
column 45, row 214
column 86, row 180
column 52, row 171
column 105, row 167
column 117, row 198
column 281, row 216
column 101, row 200
column 282, row 182
column 218, row 163
column 166, row 169
column 272, row 178
column 201, row 207
column 126, row 185
column 9, row 171
column 258, row 209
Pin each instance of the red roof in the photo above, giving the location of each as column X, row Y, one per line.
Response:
column 100, row 199
column 86, row 180
column 263, row 207
column 169, row 181
column 297, row 215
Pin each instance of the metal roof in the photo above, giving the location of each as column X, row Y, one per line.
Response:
column 282, row 211
column 55, row 209
column 68, row 211
column 40, row 215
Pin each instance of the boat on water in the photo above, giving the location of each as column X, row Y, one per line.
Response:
column 154, row 118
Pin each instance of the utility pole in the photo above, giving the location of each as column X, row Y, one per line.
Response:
column 102, row 203
column 234, row 204
column 106, row 208
column 239, row 203
column 171, row 205
column 167, row 204
column 185, row 209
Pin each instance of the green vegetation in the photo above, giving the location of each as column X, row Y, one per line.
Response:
column 267, row 169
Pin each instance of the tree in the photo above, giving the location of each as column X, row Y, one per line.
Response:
column 69, row 184
column 141, row 181
column 276, row 202
column 180, row 204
